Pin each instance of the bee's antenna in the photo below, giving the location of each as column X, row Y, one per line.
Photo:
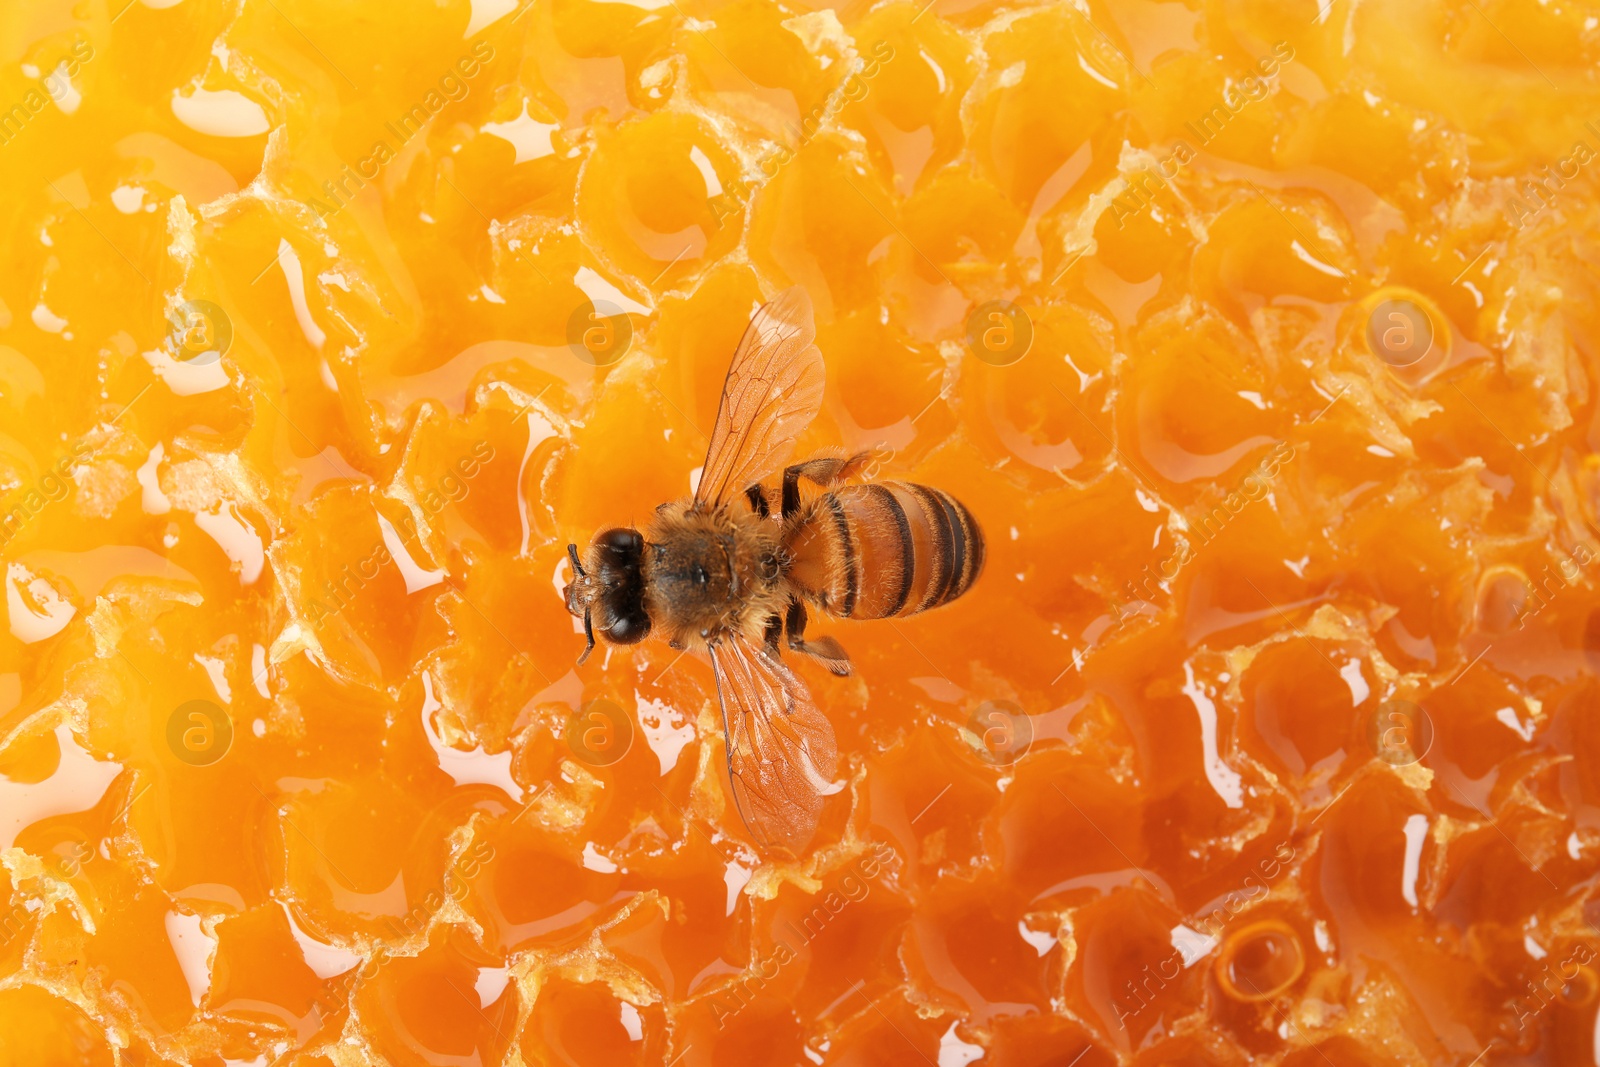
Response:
column 572, row 550
column 588, row 632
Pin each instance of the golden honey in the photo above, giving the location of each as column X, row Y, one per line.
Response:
column 1259, row 337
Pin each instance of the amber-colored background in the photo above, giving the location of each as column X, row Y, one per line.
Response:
column 1226, row 540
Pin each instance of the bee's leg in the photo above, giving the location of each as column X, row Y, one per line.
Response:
column 774, row 631
column 825, row 471
column 825, row 650
column 758, row 500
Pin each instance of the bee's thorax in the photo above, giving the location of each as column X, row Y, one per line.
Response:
column 712, row 571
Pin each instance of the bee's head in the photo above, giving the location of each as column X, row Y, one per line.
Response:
column 608, row 594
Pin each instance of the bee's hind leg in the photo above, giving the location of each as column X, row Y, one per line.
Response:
column 825, row 471
column 824, row 650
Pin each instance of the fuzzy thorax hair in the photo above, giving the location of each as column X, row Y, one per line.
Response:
column 712, row 571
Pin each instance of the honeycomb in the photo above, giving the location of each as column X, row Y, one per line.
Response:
column 1259, row 335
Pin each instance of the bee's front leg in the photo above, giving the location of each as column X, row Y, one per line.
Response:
column 758, row 500
column 774, row 631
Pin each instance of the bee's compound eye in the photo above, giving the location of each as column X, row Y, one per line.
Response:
column 621, row 542
column 628, row 629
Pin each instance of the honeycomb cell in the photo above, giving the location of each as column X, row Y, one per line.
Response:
column 1041, row 106
column 576, row 1023
column 39, row 1028
column 906, row 98
column 819, row 217
column 766, row 68
column 833, row 948
column 1132, row 981
column 1261, row 961
column 262, row 975
column 535, row 891
column 364, row 857
column 1300, row 729
column 1048, row 409
column 362, row 591
column 652, row 197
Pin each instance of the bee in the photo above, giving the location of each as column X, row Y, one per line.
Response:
column 721, row 572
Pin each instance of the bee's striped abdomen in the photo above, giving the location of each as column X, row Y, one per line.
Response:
column 885, row 549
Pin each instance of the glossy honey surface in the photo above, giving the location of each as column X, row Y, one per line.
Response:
column 1258, row 335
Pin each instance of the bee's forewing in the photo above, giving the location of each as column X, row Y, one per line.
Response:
column 772, row 392
column 781, row 751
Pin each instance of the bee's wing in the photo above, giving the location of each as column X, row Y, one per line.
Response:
column 781, row 753
column 773, row 390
